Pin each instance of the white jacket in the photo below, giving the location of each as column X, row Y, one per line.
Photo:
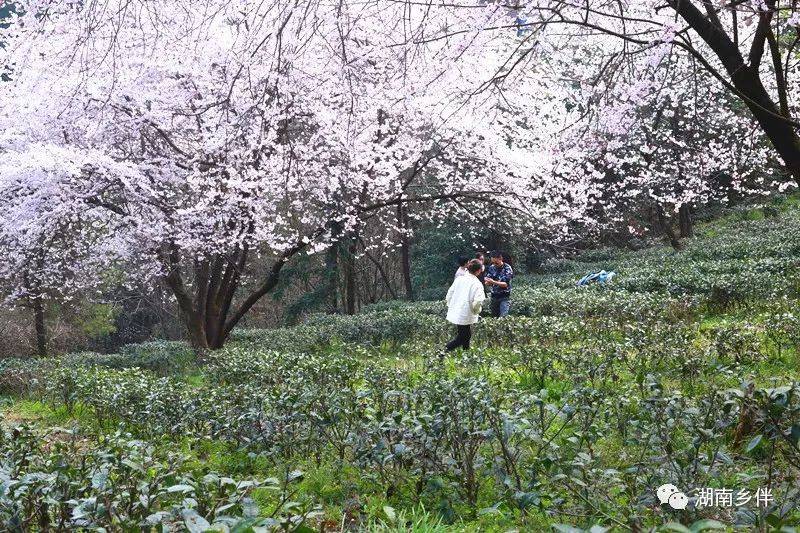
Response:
column 464, row 300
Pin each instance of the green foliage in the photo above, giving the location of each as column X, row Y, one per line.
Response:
column 378, row 326
column 435, row 257
column 121, row 484
column 161, row 357
column 303, row 269
column 20, row 376
column 528, row 429
column 97, row 320
column 735, row 263
column 417, row 520
column 25, row 376
column 567, row 414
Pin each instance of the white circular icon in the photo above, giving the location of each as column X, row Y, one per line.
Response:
column 668, row 493
column 665, row 491
column 678, row 500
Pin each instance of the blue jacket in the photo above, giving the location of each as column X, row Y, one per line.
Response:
column 502, row 273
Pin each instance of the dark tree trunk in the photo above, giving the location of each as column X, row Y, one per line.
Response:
column 350, row 277
column 41, row 328
column 685, row 219
column 36, row 303
column 332, row 277
column 196, row 331
column 208, row 314
column 781, row 134
column 405, row 251
column 332, row 270
column 665, row 225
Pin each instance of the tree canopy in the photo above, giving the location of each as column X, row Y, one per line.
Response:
column 188, row 141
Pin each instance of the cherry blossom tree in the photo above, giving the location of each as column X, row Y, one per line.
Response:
column 181, row 141
column 665, row 143
column 749, row 48
column 188, row 142
column 658, row 113
column 43, row 260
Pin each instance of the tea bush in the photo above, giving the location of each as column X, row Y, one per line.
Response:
column 122, row 484
column 162, row 357
column 24, row 376
column 730, row 265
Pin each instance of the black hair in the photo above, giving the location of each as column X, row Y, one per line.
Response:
column 498, row 253
column 462, row 261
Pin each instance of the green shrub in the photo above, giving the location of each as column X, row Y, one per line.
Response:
column 22, row 376
column 126, row 485
column 572, row 410
column 161, row 357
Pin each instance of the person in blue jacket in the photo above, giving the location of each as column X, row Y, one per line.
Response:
column 498, row 278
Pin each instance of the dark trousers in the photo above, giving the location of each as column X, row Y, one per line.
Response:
column 500, row 306
column 463, row 334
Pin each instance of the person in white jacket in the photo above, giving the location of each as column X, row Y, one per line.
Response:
column 464, row 300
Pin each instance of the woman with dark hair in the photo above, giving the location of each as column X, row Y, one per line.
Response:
column 462, row 267
column 464, row 301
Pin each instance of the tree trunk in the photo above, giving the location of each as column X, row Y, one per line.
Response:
column 207, row 314
column 350, row 277
column 196, row 331
column 405, row 250
column 39, row 324
column 665, row 224
column 782, row 135
column 331, row 277
column 33, row 289
column 686, row 223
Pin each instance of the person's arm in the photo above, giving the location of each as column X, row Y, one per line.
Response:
column 449, row 294
column 504, row 278
column 498, row 282
column 477, row 298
